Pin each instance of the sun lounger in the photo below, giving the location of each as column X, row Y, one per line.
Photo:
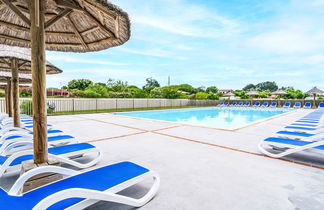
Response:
column 247, row 103
column 321, row 105
column 226, row 103
column 234, row 103
column 81, row 190
column 286, row 147
column 287, row 105
column 21, row 133
column 308, row 105
column 265, row 104
column 10, row 146
column 257, row 104
column 297, row 105
column 240, row 104
column 221, row 103
column 61, row 153
column 273, row 104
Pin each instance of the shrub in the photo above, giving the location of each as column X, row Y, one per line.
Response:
column 26, row 107
column 201, row 96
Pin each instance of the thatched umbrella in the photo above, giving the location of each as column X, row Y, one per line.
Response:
column 61, row 25
column 229, row 94
column 252, row 93
column 315, row 91
column 279, row 93
column 5, row 78
column 17, row 59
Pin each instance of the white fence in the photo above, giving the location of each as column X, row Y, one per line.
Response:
column 83, row 104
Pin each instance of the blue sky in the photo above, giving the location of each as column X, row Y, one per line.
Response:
column 210, row 42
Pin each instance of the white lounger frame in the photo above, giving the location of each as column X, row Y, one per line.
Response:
column 10, row 146
column 287, row 148
column 64, row 158
column 91, row 196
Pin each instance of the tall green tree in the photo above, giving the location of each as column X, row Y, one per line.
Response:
column 187, row 88
column 79, row 84
column 212, row 89
column 150, row 82
column 249, row 87
column 269, row 86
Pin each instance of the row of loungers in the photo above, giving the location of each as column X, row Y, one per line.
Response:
column 305, row 134
column 80, row 189
column 272, row 105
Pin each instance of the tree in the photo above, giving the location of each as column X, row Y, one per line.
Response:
column 170, row 92
column 96, row 91
column 117, row 85
column 270, row 86
column 241, row 94
column 187, row 88
column 201, row 96
column 201, row 89
column 212, row 89
column 156, row 92
column 150, row 82
column 79, row 84
column 249, row 87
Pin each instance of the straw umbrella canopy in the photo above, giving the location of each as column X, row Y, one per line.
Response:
column 315, row 91
column 60, row 25
column 279, row 93
column 18, row 60
column 229, row 94
column 252, row 93
column 5, row 78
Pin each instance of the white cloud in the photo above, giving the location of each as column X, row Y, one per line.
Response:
column 153, row 52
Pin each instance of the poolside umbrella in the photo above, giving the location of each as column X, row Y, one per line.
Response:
column 5, row 78
column 315, row 91
column 279, row 93
column 229, row 94
column 17, row 59
column 252, row 93
column 61, row 25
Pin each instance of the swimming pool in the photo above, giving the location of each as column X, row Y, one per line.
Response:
column 220, row 117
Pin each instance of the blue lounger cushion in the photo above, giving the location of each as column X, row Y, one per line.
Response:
column 296, row 133
column 99, row 179
column 49, row 132
column 301, row 128
column 307, row 121
column 292, row 142
column 30, row 126
column 301, row 124
column 53, row 150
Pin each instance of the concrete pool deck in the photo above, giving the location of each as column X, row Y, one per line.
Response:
column 203, row 168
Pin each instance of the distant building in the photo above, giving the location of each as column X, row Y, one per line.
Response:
column 225, row 91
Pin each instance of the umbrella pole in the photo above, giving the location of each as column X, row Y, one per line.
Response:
column 314, row 105
column 15, row 92
column 37, row 34
column 9, row 98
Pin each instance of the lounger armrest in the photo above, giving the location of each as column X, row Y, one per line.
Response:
column 15, row 189
column 15, row 133
column 7, row 148
column 5, row 130
column 103, row 195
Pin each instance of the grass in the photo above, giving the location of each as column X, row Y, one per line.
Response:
column 116, row 110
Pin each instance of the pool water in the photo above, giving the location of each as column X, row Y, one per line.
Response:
column 221, row 117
